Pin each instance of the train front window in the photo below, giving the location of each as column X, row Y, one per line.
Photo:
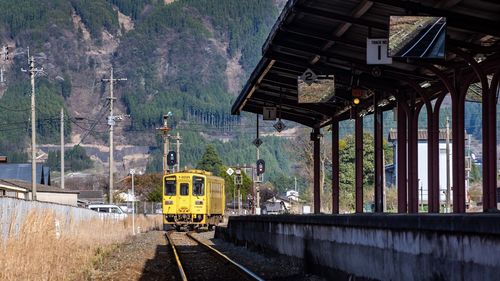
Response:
column 184, row 189
column 170, row 186
column 198, row 186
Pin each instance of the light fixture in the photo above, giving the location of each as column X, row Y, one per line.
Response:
column 425, row 84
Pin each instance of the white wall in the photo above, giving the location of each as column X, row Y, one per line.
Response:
column 423, row 175
column 60, row 198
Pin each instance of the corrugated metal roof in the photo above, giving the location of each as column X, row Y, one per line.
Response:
column 39, row 187
column 22, row 171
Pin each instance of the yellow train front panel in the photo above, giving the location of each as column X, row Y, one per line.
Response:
column 193, row 198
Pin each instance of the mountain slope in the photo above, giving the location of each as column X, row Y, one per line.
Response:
column 189, row 57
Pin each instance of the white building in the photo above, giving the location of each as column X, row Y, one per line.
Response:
column 423, row 163
column 22, row 190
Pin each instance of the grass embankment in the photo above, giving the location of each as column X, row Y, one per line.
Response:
column 46, row 249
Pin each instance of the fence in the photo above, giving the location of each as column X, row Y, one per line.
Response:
column 142, row 207
column 13, row 212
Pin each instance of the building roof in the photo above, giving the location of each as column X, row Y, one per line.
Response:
column 22, row 171
column 329, row 37
column 274, row 206
column 91, row 195
column 39, row 187
column 422, row 135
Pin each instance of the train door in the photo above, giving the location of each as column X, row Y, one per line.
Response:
column 198, row 199
column 184, row 183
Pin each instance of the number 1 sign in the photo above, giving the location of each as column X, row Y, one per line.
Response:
column 376, row 51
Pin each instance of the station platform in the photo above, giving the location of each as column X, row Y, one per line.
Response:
column 378, row 246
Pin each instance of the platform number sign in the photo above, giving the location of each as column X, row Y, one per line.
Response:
column 171, row 158
column 376, row 51
column 279, row 126
column 309, row 77
column 269, row 113
column 257, row 142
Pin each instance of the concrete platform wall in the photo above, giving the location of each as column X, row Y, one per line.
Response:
column 380, row 247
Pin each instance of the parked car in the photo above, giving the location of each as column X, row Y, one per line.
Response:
column 108, row 211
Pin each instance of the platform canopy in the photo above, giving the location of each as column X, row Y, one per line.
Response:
column 330, row 37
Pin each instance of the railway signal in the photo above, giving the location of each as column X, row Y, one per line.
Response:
column 171, row 158
column 261, row 167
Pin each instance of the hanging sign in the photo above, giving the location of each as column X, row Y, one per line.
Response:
column 269, row 113
column 376, row 51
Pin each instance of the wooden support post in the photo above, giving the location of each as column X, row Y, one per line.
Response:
column 315, row 137
column 379, row 161
column 401, row 160
column 359, row 162
column 335, row 167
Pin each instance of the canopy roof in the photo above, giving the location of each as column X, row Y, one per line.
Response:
column 329, row 37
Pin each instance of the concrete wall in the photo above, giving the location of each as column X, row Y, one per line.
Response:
column 60, row 198
column 380, row 247
column 13, row 213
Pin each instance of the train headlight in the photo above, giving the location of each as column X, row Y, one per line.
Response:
column 169, row 202
column 198, row 202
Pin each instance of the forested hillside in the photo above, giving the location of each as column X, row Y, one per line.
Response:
column 189, row 57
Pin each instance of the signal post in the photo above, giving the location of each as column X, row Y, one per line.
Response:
column 164, row 131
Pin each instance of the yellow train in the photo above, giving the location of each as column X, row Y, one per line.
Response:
column 192, row 198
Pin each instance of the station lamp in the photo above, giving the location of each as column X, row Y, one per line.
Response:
column 357, row 94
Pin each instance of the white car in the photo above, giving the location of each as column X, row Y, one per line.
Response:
column 108, row 211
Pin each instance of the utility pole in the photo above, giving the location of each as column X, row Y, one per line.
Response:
column 4, row 57
column 164, row 131
column 2, row 79
column 448, row 180
column 177, row 139
column 32, row 72
column 62, row 148
column 111, row 123
column 132, row 172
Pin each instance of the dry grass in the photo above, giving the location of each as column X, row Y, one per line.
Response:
column 40, row 252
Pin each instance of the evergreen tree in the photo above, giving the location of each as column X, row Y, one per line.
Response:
column 210, row 160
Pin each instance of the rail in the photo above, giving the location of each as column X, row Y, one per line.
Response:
column 245, row 273
column 177, row 259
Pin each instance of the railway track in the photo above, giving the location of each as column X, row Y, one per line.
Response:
column 197, row 260
column 426, row 44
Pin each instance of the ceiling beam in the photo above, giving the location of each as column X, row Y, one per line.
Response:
column 332, row 16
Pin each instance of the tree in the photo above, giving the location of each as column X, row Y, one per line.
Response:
column 210, row 160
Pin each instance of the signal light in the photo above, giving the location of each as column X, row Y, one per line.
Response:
column 356, row 101
column 261, row 167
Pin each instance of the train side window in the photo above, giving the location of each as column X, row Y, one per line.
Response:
column 198, row 186
column 184, row 189
column 170, row 186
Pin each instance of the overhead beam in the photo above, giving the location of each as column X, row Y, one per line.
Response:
column 332, row 16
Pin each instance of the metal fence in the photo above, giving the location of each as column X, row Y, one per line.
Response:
column 13, row 212
column 145, row 208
